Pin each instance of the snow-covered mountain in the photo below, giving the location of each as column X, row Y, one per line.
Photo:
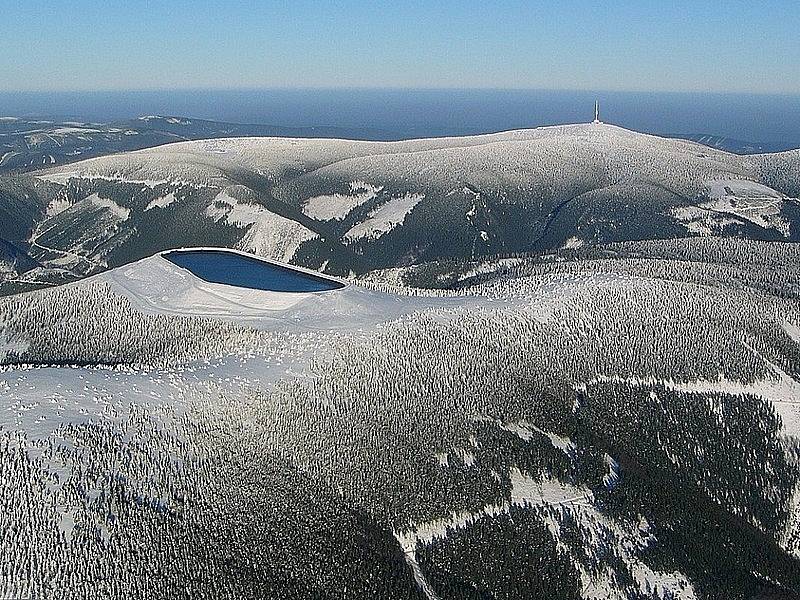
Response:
column 27, row 143
column 345, row 206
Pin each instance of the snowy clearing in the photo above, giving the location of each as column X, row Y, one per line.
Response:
column 269, row 235
column 750, row 201
column 700, row 221
column 120, row 212
column 792, row 330
column 385, row 218
column 161, row 201
column 338, row 206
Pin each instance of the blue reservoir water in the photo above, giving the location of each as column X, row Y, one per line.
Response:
column 230, row 268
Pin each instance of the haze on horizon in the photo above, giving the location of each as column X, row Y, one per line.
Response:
column 735, row 46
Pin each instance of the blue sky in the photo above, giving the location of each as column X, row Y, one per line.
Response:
column 731, row 45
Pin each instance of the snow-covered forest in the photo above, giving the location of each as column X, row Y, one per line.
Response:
column 609, row 421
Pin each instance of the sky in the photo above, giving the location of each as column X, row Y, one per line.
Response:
column 633, row 45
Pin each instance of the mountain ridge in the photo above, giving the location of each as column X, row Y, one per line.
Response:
column 341, row 205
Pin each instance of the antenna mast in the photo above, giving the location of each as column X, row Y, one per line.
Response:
column 597, row 112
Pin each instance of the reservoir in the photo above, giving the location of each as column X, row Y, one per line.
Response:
column 231, row 268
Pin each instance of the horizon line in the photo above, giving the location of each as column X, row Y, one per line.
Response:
column 312, row 88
